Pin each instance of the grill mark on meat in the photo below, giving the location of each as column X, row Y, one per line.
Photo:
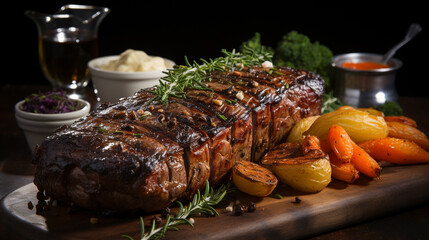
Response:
column 156, row 159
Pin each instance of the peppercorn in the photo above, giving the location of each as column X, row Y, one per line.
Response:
column 239, row 210
column 157, row 219
column 251, row 207
column 40, row 196
column 165, row 212
column 297, row 200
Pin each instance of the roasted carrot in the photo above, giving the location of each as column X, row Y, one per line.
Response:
column 340, row 142
column 395, row 150
column 364, row 163
column 310, row 144
column 325, row 146
column 401, row 119
column 345, row 172
column 405, row 131
column 313, row 143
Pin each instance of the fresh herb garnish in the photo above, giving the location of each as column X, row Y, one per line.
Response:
column 222, row 117
column 200, row 205
column 330, row 103
column 142, row 117
column 192, row 75
column 278, row 196
column 100, row 129
column 230, row 101
column 137, row 135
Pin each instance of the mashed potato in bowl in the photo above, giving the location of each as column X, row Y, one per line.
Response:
column 135, row 61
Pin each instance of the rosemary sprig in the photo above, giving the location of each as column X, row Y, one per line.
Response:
column 200, row 205
column 192, row 75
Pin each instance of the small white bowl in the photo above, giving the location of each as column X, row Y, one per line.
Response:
column 37, row 126
column 111, row 86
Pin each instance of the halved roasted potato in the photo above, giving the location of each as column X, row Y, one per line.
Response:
column 253, row 179
column 296, row 134
column 360, row 125
column 307, row 173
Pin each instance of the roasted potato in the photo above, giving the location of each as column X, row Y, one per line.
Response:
column 372, row 111
column 296, row 134
column 307, row 173
column 360, row 125
column 253, row 179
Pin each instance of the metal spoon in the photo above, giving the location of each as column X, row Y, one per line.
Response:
column 413, row 30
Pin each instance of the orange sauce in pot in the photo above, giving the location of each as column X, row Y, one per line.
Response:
column 364, row 65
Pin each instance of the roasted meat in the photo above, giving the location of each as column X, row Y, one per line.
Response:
column 141, row 154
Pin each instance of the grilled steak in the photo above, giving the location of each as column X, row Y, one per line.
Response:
column 132, row 155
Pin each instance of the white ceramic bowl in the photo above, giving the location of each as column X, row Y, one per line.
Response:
column 110, row 86
column 37, row 126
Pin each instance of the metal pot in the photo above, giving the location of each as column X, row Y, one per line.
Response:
column 365, row 88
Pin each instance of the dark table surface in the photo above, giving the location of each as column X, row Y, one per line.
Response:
column 16, row 170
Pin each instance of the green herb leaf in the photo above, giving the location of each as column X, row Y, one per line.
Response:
column 278, row 196
column 191, row 75
column 100, row 129
column 222, row 117
column 200, row 205
column 138, row 135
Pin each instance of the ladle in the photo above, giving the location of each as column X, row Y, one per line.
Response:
column 413, row 30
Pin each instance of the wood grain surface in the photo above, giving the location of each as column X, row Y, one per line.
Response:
column 337, row 206
column 395, row 207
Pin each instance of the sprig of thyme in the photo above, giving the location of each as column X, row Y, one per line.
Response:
column 191, row 75
column 200, row 205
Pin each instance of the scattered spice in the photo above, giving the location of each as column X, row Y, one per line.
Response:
column 239, row 209
column 40, row 196
column 239, row 95
column 158, row 220
column 251, row 207
column 165, row 212
column 217, row 102
column 230, row 207
column 297, row 200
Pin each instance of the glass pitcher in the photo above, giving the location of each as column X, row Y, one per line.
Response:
column 67, row 41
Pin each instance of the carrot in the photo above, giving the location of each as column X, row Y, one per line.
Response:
column 364, row 163
column 401, row 119
column 345, row 172
column 405, row 131
column 340, row 142
column 310, row 144
column 325, row 146
column 395, row 150
column 314, row 144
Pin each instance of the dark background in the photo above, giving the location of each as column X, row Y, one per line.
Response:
column 177, row 29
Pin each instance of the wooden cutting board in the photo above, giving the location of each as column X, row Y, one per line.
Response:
column 337, row 206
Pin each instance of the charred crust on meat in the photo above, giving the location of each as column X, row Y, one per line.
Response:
column 127, row 127
column 180, row 145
